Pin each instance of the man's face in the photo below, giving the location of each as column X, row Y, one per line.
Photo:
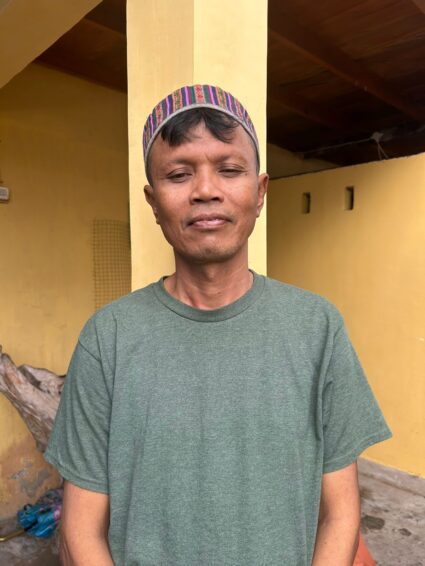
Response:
column 206, row 194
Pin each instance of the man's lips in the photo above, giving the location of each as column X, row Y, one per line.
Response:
column 208, row 220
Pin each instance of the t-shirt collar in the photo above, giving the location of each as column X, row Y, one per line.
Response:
column 214, row 315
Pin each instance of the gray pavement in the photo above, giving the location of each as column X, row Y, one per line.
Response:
column 393, row 515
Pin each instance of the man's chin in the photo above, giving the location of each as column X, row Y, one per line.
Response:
column 208, row 255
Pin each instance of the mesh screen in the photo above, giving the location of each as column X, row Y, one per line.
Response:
column 112, row 260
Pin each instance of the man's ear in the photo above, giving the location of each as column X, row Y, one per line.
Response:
column 263, row 183
column 150, row 199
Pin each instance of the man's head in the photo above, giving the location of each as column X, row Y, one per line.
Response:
column 190, row 97
column 178, row 130
column 201, row 159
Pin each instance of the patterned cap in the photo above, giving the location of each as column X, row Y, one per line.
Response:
column 188, row 97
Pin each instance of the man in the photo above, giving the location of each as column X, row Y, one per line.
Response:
column 214, row 417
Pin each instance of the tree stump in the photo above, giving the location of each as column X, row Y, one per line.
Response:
column 35, row 393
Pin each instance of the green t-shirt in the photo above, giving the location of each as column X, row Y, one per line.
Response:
column 210, row 430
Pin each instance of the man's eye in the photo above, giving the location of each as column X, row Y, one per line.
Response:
column 231, row 171
column 178, row 176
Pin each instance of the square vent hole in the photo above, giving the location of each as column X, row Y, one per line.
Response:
column 306, row 203
column 349, row 198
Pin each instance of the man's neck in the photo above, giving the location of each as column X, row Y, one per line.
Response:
column 209, row 286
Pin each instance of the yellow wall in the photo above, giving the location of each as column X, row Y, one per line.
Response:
column 64, row 158
column 200, row 42
column 370, row 262
column 27, row 28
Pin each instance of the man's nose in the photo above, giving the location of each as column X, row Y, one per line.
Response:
column 206, row 187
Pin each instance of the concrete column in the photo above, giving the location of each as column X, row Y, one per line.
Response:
column 190, row 41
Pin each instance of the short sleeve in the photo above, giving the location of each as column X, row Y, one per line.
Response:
column 352, row 420
column 78, row 445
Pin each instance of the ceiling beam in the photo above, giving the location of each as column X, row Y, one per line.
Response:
column 420, row 4
column 97, row 25
column 92, row 51
column 304, row 108
column 398, row 146
column 285, row 29
column 396, row 141
column 110, row 14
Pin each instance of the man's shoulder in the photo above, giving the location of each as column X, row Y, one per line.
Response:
column 298, row 303
column 143, row 298
column 288, row 293
column 136, row 309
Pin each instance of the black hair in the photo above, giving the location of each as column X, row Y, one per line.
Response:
column 177, row 130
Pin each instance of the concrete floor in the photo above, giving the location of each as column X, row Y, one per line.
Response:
column 393, row 523
column 393, row 515
column 26, row 550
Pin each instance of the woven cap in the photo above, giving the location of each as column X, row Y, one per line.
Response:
column 188, row 97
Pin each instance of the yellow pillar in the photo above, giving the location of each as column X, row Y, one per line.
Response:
column 186, row 42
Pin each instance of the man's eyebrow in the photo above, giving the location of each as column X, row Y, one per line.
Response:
column 220, row 158
column 177, row 161
column 234, row 155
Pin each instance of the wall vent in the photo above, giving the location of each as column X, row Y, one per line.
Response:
column 4, row 194
column 111, row 259
column 306, row 203
column 349, row 198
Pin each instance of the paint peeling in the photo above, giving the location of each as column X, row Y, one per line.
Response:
column 20, row 474
column 24, row 476
column 31, row 486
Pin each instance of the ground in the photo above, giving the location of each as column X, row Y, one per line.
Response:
column 393, row 523
column 393, row 517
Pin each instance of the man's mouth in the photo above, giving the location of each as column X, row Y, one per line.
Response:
column 208, row 221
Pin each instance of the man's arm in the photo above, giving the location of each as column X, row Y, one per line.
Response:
column 339, row 519
column 84, row 528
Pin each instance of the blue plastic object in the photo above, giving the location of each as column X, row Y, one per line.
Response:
column 41, row 519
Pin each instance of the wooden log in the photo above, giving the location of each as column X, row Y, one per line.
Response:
column 35, row 393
